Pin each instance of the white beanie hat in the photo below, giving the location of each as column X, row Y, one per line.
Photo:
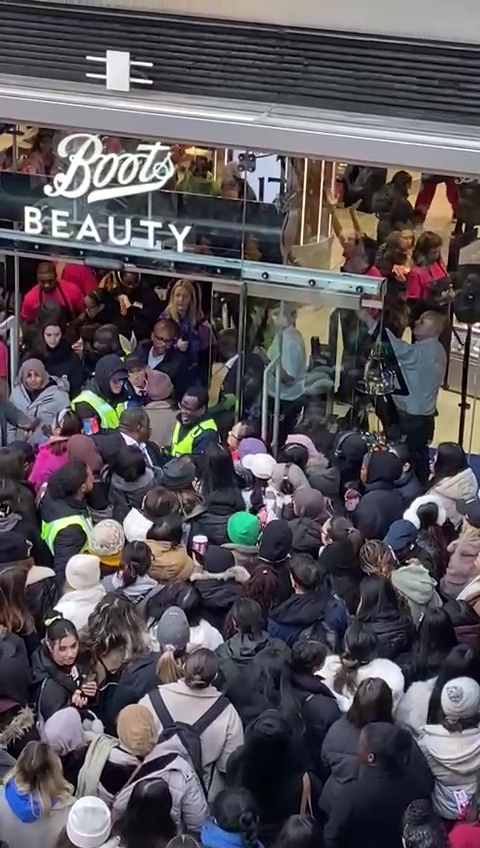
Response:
column 260, row 464
column 83, row 571
column 460, row 698
column 89, row 823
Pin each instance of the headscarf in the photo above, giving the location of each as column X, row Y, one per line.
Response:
column 63, row 731
column 294, row 474
column 315, row 458
column 83, row 448
column 33, row 365
column 136, row 730
column 309, row 503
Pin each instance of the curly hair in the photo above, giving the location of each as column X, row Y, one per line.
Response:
column 114, row 625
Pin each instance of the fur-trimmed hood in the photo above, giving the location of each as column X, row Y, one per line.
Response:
column 411, row 514
column 237, row 573
column 17, row 727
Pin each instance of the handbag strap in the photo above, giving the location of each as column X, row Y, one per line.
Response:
column 306, row 808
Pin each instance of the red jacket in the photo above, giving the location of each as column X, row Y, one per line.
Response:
column 67, row 294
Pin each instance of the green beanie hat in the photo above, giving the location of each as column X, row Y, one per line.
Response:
column 243, row 528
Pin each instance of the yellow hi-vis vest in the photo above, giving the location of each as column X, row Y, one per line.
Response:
column 51, row 529
column 109, row 415
column 181, row 447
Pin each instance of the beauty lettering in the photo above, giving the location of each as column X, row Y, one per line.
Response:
column 93, row 175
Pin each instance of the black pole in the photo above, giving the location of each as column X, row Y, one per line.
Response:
column 463, row 403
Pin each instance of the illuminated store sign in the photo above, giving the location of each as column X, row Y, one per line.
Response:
column 93, row 175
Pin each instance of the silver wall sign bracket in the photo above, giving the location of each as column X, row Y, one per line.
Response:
column 118, row 66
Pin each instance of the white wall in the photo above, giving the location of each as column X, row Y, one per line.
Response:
column 443, row 19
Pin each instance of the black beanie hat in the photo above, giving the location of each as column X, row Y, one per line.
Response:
column 217, row 560
column 276, row 541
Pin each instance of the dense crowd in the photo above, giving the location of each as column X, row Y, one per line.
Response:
column 204, row 644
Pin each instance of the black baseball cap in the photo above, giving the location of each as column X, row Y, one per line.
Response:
column 471, row 511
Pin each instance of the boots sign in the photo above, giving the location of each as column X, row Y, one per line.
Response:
column 91, row 176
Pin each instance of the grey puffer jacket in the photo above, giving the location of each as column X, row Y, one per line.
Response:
column 126, row 496
column 189, row 805
column 44, row 408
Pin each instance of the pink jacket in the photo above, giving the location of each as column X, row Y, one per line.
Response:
column 461, row 568
column 45, row 464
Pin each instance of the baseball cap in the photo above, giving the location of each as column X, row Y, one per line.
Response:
column 471, row 511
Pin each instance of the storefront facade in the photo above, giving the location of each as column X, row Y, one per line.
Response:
column 277, row 248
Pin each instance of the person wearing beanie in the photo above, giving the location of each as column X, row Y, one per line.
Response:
column 452, row 748
column 89, row 823
column 382, row 503
column 173, row 630
column 159, row 407
column 243, row 532
column 220, row 583
column 275, row 549
column 423, row 827
column 83, row 589
column 106, row 542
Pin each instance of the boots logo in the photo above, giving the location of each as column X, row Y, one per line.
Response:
column 103, row 176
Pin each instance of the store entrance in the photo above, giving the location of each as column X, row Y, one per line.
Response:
column 278, row 353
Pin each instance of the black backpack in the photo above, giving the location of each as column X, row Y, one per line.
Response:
column 189, row 734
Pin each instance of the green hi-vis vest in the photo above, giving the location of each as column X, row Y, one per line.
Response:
column 109, row 415
column 51, row 529
column 184, row 446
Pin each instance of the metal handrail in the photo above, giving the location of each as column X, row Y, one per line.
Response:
column 268, row 368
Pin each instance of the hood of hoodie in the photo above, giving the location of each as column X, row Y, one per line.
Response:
column 301, row 610
column 24, row 806
column 105, row 368
column 463, row 486
column 414, row 582
column 144, row 482
column 242, row 648
column 9, row 522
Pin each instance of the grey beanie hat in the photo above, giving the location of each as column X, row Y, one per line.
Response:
column 460, row 698
column 173, row 630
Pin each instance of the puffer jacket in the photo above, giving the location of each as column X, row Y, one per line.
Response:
column 454, row 759
column 219, row 592
column 462, row 487
column 461, row 567
column 395, row 632
column 305, row 536
column 189, row 805
column 220, row 506
column 386, row 670
column 21, row 822
column 44, row 408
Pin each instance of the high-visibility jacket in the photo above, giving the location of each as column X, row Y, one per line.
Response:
column 51, row 529
column 109, row 415
column 180, row 447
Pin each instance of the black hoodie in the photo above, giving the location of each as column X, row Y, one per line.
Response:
column 105, row 369
column 382, row 503
column 315, row 614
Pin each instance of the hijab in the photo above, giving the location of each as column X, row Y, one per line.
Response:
column 292, row 473
column 37, row 366
column 83, row 448
column 63, row 731
column 309, row 503
column 315, row 458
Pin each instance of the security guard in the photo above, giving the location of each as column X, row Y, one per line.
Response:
column 100, row 405
column 194, row 430
column 66, row 525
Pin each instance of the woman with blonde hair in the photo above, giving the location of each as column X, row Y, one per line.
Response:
column 463, row 552
column 376, row 559
column 193, row 333
column 34, row 800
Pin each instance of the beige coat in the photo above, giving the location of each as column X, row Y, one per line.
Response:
column 221, row 739
column 162, row 421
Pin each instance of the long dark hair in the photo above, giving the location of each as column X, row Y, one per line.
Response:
column 135, row 561
column 450, row 461
column 377, row 596
column 147, row 820
column 300, row 832
column 216, row 471
column 371, row 702
column 360, row 648
column 14, row 612
column 435, row 639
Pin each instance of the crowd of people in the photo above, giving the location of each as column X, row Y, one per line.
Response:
column 202, row 644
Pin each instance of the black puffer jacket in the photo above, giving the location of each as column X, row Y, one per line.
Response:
column 220, row 506
column 395, row 632
column 219, row 592
column 52, row 685
column 319, row 710
column 306, row 536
